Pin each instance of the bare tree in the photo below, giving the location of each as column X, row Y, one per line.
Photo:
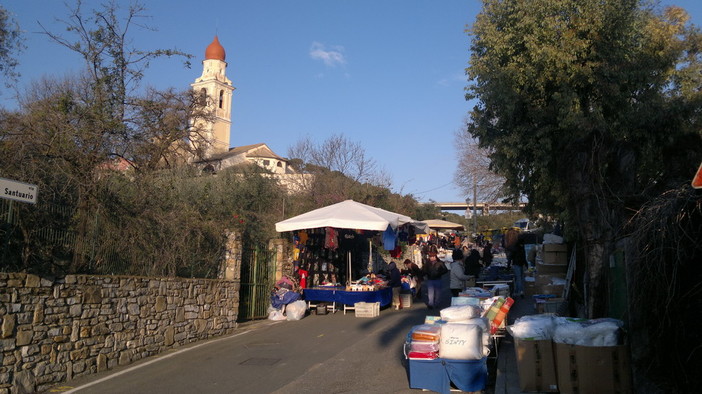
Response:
column 473, row 174
column 337, row 153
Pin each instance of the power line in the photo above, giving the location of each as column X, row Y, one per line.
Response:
column 436, row 188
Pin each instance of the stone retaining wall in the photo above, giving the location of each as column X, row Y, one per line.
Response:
column 54, row 331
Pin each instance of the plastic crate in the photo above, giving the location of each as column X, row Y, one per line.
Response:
column 367, row 309
column 406, row 300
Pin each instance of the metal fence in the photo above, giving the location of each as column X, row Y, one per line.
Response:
column 258, row 268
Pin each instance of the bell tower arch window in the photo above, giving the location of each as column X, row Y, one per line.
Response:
column 203, row 97
column 221, row 99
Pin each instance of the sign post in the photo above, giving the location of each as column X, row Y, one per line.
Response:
column 697, row 180
column 18, row 191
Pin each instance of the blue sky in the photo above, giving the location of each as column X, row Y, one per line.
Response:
column 388, row 74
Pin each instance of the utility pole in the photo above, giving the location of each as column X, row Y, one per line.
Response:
column 475, row 205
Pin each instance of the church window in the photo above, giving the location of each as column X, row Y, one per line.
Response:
column 209, row 169
column 203, row 97
column 221, row 99
column 266, row 163
column 280, row 164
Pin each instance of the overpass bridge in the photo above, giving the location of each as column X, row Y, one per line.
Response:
column 483, row 207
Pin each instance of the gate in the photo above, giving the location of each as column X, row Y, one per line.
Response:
column 258, row 268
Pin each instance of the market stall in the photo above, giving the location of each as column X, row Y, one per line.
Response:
column 338, row 295
column 438, row 224
column 334, row 248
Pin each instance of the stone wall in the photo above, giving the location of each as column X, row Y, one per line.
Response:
column 54, row 331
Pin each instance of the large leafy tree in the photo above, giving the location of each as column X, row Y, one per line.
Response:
column 10, row 45
column 589, row 108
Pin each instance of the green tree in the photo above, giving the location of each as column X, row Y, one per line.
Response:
column 10, row 45
column 589, row 108
column 67, row 131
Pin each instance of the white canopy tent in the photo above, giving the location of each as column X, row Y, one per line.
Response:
column 347, row 214
column 443, row 224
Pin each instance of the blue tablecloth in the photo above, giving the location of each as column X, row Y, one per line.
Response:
column 336, row 294
column 437, row 375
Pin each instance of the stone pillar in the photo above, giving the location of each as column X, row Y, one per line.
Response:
column 231, row 267
column 283, row 257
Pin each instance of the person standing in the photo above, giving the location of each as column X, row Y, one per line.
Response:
column 472, row 263
column 519, row 262
column 394, row 282
column 434, row 269
column 458, row 277
column 487, row 254
column 413, row 271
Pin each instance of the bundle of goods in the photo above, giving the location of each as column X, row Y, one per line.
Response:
column 497, row 312
column 459, row 334
column 500, row 289
column 477, row 292
column 370, row 282
column 459, row 301
column 568, row 330
column 533, row 328
column 534, row 351
column 463, row 341
column 597, row 332
column 449, row 350
column 460, row 313
column 570, row 355
column 423, row 342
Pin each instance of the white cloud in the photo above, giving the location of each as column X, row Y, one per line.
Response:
column 451, row 80
column 331, row 57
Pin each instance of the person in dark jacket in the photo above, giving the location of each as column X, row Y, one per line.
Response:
column 394, row 281
column 472, row 264
column 411, row 269
column 434, row 269
column 487, row 254
column 519, row 262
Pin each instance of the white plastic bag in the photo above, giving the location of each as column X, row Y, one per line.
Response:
column 276, row 314
column 461, row 342
column 296, row 310
column 533, row 327
column 460, row 313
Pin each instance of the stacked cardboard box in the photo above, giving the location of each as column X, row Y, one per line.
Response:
column 590, row 369
column 546, row 366
column 550, row 284
column 556, row 254
column 536, row 366
column 551, row 269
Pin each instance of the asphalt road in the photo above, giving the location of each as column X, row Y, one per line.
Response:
column 332, row 353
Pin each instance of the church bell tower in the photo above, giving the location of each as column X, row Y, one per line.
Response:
column 217, row 88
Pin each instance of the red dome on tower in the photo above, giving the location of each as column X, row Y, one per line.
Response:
column 215, row 51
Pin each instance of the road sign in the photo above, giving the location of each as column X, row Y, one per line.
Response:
column 697, row 180
column 18, row 191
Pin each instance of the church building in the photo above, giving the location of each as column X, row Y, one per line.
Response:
column 218, row 89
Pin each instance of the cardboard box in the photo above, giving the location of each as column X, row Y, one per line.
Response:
column 536, row 366
column 558, row 258
column 550, row 289
column 544, row 280
column 546, row 268
column 555, row 248
column 590, row 369
column 549, row 305
column 529, row 286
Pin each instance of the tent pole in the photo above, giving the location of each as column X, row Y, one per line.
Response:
column 370, row 255
column 348, row 275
